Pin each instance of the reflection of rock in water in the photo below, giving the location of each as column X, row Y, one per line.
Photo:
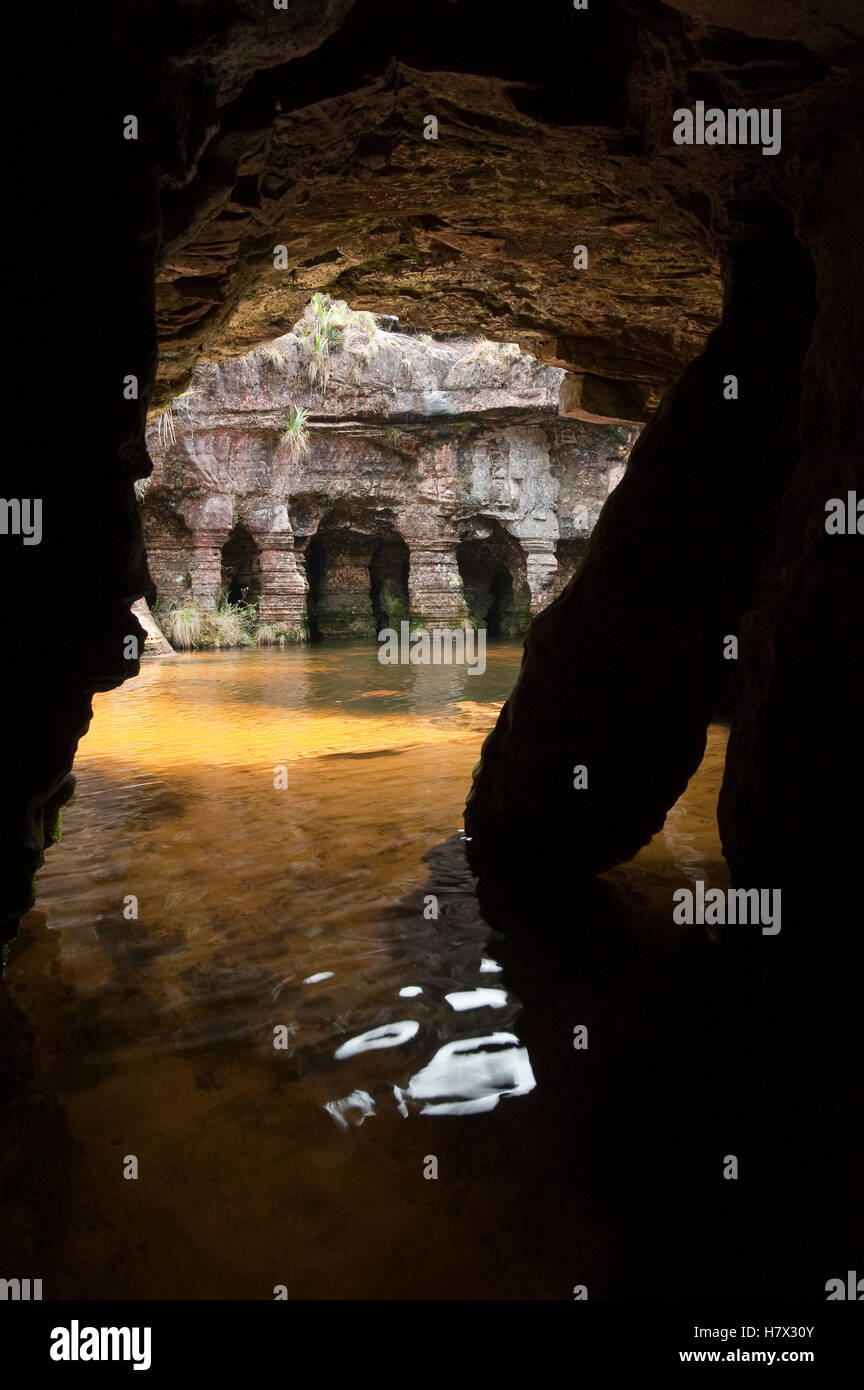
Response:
column 33, row 1137
column 130, row 806
column 690, row 1058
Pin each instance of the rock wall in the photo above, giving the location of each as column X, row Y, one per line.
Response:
column 439, row 482
column 155, row 642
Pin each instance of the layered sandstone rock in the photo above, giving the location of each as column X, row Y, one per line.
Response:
column 439, row 483
column 155, row 641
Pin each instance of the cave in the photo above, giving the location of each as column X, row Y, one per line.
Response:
column 357, row 572
column 388, row 575
column 471, row 175
column 493, row 571
column 240, row 570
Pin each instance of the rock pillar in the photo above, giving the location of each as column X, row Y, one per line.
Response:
column 206, row 566
column 541, row 567
column 435, row 584
column 155, row 641
column 170, row 568
column 209, row 519
column 622, row 674
column 340, row 598
column 282, row 601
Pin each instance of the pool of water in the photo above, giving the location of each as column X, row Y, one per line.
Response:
column 257, row 967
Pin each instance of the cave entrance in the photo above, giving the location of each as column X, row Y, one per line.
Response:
column 357, row 571
column 241, row 569
column 500, row 612
column 388, row 574
column 314, row 568
column 494, row 579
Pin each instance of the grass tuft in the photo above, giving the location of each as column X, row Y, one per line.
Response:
column 328, row 326
column 191, row 627
column 296, row 434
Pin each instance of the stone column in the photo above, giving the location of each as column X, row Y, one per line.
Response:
column 282, row 601
column 435, row 584
column 344, row 601
column 169, row 566
column 541, row 567
column 206, row 566
column 209, row 519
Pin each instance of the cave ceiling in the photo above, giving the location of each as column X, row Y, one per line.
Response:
column 304, row 129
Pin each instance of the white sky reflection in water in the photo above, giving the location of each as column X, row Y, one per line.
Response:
column 388, row 1035
column 469, row 1077
column 477, row 999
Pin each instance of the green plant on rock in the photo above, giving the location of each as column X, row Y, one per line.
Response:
column 397, row 612
column 317, row 332
column 277, row 352
column 182, row 403
column 328, row 325
column 484, row 352
column 230, row 625
column 295, row 433
column 363, row 358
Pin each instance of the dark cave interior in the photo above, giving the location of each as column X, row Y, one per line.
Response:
column 260, row 127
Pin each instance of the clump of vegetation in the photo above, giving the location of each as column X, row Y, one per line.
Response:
column 318, row 331
column 278, row 352
column 181, row 404
column 232, row 624
column 296, row 432
column 191, row 627
column 364, row 355
column 273, row 634
column 328, row 325
column 182, row 624
column 487, row 353
column 164, row 418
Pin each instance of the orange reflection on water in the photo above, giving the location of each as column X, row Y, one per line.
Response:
column 268, row 814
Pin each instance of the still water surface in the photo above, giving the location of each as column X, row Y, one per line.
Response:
column 282, row 818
